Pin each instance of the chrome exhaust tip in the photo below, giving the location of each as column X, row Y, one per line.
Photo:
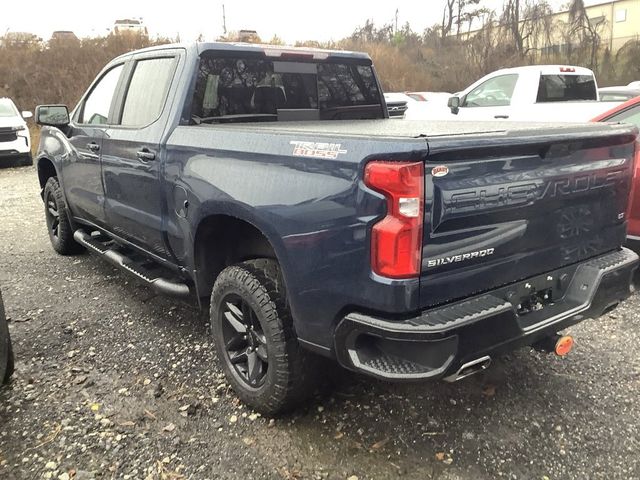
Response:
column 469, row 368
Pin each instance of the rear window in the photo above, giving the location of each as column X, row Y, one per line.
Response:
column 249, row 89
column 566, row 88
column 615, row 97
column 147, row 91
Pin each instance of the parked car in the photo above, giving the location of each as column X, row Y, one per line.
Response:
column 269, row 184
column 618, row 94
column 397, row 104
column 535, row 93
column 634, row 84
column 6, row 352
column 629, row 112
column 15, row 141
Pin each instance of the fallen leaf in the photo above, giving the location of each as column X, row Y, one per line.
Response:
column 169, row 428
column 440, row 456
column 149, row 414
column 489, row 391
column 127, row 424
column 378, row 445
column 338, row 435
column 95, row 407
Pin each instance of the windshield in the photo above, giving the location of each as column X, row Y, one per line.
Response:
column 566, row 88
column 7, row 110
column 234, row 89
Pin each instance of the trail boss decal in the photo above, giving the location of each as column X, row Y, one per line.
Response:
column 438, row 262
column 317, row 150
column 440, row 171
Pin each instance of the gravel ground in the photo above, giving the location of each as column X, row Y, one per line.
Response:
column 113, row 381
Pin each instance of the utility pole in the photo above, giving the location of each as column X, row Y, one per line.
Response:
column 397, row 20
column 224, row 21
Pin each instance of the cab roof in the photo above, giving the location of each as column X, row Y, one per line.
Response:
column 269, row 50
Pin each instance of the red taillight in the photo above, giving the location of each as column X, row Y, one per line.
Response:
column 396, row 240
column 567, row 70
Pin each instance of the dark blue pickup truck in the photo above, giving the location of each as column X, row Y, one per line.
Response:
column 269, row 184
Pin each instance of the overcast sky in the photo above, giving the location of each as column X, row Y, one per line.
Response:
column 290, row 19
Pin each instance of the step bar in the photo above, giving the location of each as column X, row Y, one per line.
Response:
column 159, row 284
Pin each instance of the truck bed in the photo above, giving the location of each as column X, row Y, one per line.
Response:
column 519, row 199
column 429, row 129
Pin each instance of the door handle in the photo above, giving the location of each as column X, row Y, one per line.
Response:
column 93, row 146
column 502, row 116
column 146, row 155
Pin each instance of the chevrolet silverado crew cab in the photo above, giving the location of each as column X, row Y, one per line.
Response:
column 269, row 184
column 534, row 93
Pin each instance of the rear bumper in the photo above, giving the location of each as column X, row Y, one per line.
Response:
column 437, row 342
column 633, row 242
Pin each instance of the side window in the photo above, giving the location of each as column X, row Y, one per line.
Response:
column 495, row 92
column 632, row 116
column 147, row 91
column 96, row 106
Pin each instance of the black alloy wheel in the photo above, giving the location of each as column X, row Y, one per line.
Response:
column 255, row 340
column 244, row 341
column 57, row 218
column 52, row 215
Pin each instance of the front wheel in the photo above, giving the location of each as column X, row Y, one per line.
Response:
column 255, row 340
column 57, row 218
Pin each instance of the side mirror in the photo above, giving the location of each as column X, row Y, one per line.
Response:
column 454, row 104
column 26, row 114
column 52, row 115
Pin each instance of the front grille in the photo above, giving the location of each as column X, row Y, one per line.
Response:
column 7, row 135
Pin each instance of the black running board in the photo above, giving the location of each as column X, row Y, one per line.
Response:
column 159, row 284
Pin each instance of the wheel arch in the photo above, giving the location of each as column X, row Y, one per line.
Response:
column 224, row 239
column 46, row 170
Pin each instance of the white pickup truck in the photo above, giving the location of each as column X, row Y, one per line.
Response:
column 536, row 93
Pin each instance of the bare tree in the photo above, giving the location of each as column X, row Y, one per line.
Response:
column 583, row 35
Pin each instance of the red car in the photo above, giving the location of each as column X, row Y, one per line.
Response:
column 629, row 112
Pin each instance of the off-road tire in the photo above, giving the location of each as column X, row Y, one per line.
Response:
column 60, row 234
column 293, row 372
column 6, row 352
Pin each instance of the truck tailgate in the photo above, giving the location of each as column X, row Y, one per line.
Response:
column 503, row 209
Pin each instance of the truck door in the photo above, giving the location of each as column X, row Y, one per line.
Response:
column 81, row 170
column 131, row 166
column 490, row 100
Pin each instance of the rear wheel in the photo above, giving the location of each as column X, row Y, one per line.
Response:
column 255, row 341
column 57, row 218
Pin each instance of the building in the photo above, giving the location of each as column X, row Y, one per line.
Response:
column 130, row 26
column 615, row 21
column 63, row 36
